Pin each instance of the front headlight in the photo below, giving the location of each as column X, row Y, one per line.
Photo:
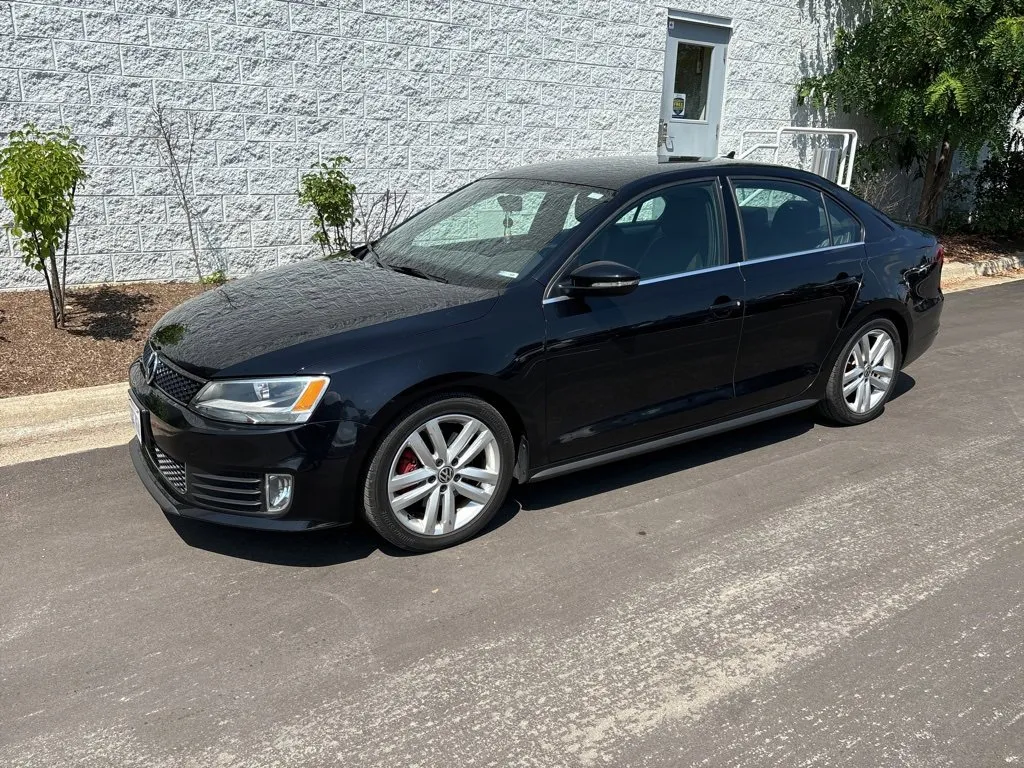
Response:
column 277, row 400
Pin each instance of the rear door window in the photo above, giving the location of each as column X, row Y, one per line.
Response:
column 780, row 217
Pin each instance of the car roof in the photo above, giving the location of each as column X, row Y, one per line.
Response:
column 613, row 172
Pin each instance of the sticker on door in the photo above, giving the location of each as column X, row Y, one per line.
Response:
column 679, row 106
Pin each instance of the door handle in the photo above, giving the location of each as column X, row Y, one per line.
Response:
column 843, row 281
column 724, row 306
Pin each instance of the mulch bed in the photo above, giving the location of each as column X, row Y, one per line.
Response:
column 107, row 326
column 973, row 248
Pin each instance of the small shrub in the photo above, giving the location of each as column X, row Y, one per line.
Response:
column 378, row 215
column 331, row 194
column 179, row 133
column 40, row 171
column 999, row 192
column 884, row 175
column 214, row 278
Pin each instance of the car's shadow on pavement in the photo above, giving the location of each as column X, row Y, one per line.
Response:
column 311, row 549
column 355, row 542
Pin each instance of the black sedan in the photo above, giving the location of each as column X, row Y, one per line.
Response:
column 537, row 321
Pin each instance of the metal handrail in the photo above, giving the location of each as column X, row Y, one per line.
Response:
column 847, row 154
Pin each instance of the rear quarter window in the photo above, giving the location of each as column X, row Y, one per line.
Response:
column 846, row 228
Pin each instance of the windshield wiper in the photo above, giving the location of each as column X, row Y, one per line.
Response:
column 370, row 251
column 402, row 269
column 415, row 273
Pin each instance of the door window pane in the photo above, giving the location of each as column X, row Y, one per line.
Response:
column 649, row 210
column 845, row 228
column 673, row 231
column 779, row 218
column 690, row 97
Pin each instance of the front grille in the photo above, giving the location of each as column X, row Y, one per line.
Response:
column 172, row 471
column 167, row 378
column 229, row 493
column 175, row 384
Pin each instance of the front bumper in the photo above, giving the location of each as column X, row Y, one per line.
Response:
column 208, row 470
column 173, row 504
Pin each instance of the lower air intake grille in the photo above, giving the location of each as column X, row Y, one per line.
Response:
column 173, row 471
column 228, row 493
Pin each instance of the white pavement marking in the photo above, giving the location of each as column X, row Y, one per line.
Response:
column 34, row 427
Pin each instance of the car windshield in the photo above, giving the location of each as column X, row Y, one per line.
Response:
column 488, row 233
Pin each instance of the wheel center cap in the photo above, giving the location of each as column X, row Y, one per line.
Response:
column 446, row 474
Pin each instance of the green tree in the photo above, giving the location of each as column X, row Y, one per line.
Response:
column 40, row 171
column 331, row 194
column 935, row 75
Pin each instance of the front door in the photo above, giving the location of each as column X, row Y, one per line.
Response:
column 625, row 369
column 694, row 86
column 803, row 267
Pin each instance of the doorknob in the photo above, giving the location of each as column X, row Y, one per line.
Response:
column 843, row 281
column 724, row 306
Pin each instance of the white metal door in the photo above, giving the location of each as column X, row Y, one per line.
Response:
column 693, row 90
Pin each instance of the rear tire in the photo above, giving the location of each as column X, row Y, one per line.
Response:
column 439, row 474
column 864, row 374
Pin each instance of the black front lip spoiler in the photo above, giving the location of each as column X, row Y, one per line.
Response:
column 173, row 506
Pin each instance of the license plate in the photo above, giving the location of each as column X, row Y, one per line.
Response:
column 136, row 418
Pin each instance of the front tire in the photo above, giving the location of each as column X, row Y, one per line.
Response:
column 439, row 474
column 864, row 374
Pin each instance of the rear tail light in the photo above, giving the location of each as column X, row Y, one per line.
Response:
column 940, row 256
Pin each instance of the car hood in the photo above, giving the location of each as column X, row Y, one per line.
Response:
column 303, row 302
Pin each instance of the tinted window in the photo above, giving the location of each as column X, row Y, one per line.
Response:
column 672, row 231
column 649, row 210
column 845, row 228
column 779, row 218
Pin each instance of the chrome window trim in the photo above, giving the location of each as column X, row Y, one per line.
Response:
column 714, row 179
column 678, row 275
column 802, row 253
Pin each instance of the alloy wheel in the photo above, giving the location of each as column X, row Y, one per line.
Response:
column 444, row 474
column 870, row 371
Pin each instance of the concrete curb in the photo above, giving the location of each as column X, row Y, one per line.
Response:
column 955, row 270
column 34, row 427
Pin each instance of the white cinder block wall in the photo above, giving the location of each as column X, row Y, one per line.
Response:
column 423, row 95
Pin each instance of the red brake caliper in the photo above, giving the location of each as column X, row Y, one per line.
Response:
column 407, row 462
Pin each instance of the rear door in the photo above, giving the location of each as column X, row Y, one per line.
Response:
column 803, row 266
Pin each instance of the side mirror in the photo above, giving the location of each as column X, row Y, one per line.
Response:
column 601, row 278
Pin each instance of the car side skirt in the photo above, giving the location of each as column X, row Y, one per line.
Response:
column 671, row 440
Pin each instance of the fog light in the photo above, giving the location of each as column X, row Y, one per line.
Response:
column 279, row 492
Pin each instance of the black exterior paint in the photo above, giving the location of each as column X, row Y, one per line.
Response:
column 573, row 377
column 238, row 327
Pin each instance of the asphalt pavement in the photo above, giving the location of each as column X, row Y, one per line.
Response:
column 790, row 594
